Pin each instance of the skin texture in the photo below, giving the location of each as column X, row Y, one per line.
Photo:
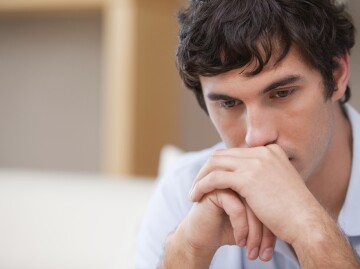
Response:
column 277, row 175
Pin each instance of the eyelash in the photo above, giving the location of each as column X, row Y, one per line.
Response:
column 229, row 104
column 225, row 104
column 288, row 93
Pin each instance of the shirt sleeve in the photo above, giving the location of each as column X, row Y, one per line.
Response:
column 167, row 208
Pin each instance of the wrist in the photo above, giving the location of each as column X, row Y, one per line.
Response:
column 180, row 252
column 190, row 247
column 323, row 245
column 315, row 232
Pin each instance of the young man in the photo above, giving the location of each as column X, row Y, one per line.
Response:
column 282, row 189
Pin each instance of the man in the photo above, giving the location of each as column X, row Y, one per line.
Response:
column 282, row 189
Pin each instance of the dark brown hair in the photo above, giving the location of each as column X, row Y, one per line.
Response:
column 217, row 36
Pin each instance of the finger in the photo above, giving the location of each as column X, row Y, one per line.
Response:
column 236, row 158
column 219, row 180
column 235, row 209
column 271, row 151
column 217, row 162
column 276, row 150
column 267, row 245
column 228, row 159
column 255, row 234
column 253, row 152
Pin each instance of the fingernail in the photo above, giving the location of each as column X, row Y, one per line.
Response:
column 254, row 253
column 267, row 254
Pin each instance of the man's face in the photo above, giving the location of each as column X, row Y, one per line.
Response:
column 284, row 104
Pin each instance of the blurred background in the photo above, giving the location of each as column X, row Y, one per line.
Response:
column 91, row 86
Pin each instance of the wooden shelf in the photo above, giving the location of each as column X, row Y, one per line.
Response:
column 49, row 5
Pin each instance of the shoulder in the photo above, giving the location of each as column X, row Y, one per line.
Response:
column 168, row 206
column 353, row 115
column 174, row 185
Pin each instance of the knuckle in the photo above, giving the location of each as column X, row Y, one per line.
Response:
column 214, row 175
column 273, row 146
column 210, row 162
column 213, row 160
column 251, row 174
column 238, row 212
column 242, row 231
column 217, row 153
column 268, row 237
column 254, row 239
column 275, row 149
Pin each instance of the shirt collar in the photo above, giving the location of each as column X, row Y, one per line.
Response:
column 349, row 217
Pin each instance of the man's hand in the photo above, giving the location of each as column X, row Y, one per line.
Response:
column 220, row 218
column 278, row 196
column 223, row 218
column 269, row 183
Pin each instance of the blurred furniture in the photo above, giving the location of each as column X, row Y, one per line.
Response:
column 139, row 100
column 69, row 221
column 169, row 154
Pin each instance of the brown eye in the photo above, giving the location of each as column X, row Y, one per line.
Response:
column 229, row 103
column 281, row 93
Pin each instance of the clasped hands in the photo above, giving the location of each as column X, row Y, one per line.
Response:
column 248, row 197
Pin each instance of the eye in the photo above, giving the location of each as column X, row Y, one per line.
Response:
column 281, row 93
column 229, row 103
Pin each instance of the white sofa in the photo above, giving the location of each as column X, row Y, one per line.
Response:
column 53, row 221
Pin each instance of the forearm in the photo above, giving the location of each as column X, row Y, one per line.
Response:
column 180, row 254
column 326, row 247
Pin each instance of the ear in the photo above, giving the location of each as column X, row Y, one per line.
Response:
column 341, row 76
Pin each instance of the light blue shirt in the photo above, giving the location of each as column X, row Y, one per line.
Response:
column 169, row 206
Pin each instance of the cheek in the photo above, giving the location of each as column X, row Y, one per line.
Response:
column 318, row 127
column 312, row 139
column 322, row 132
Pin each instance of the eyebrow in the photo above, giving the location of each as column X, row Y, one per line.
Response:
column 282, row 82
column 276, row 84
column 217, row 97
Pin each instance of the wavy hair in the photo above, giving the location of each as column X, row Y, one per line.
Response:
column 217, row 36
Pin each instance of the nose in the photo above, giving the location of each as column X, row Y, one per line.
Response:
column 261, row 128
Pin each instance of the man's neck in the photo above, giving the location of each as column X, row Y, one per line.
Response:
column 330, row 184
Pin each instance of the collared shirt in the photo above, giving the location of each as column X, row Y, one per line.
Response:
column 170, row 204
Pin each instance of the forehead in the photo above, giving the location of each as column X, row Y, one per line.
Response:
column 293, row 64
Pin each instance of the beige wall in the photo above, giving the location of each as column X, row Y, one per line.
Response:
column 354, row 7
column 49, row 90
column 101, row 96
